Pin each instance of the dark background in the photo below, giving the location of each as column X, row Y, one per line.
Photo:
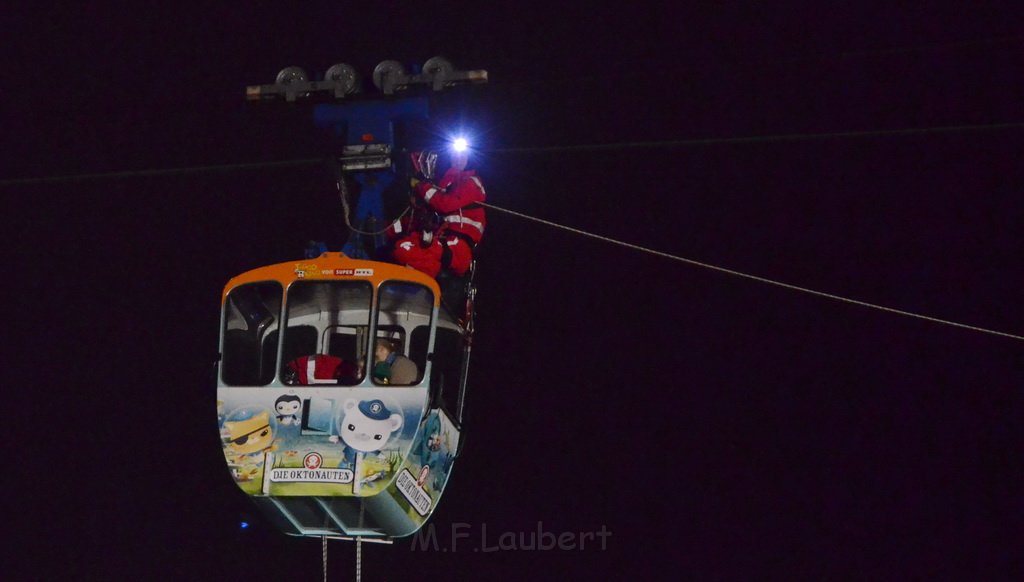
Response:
column 718, row 427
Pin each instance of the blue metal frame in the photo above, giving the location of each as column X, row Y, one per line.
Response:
column 363, row 123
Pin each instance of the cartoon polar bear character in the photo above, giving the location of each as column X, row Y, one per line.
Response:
column 366, row 425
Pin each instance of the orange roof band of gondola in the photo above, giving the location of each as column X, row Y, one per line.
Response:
column 333, row 266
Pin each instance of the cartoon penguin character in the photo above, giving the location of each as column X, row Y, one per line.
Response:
column 366, row 426
column 287, row 407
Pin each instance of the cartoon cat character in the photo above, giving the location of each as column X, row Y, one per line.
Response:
column 245, row 442
column 366, row 426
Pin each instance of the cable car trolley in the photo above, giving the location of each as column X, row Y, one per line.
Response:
column 340, row 385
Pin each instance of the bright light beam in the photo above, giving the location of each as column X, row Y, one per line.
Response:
column 460, row 144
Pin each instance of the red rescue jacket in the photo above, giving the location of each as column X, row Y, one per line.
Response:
column 456, row 198
column 321, row 369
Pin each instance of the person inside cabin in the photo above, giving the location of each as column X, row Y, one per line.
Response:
column 321, row 369
column 447, row 221
column 391, row 367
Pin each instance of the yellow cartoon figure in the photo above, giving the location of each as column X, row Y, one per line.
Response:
column 246, row 441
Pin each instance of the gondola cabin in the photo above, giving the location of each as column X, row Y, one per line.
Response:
column 339, row 388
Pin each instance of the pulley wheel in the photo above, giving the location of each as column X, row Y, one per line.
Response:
column 386, row 69
column 289, row 75
column 346, row 75
column 438, row 66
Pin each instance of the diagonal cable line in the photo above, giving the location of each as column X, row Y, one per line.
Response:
column 754, row 277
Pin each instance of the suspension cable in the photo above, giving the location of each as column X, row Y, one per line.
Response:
column 532, row 149
column 789, row 137
column 160, row 172
column 754, row 277
column 324, row 538
column 755, row 63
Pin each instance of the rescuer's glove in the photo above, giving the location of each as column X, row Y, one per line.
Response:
column 420, row 188
column 423, row 164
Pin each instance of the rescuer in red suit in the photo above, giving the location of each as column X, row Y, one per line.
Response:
column 447, row 222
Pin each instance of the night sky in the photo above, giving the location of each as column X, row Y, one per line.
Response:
column 717, row 427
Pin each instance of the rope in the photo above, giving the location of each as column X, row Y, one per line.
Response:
column 359, row 542
column 343, row 192
column 324, row 538
column 755, row 277
column 359, row 558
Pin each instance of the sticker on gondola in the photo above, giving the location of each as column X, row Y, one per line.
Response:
column 344, row 272
column 311, row 472
column 303, row 269
column 413, row 493
column 364, row 272
column 297, row 475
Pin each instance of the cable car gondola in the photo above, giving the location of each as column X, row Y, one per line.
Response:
column 313, row 428
column 341, row 379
